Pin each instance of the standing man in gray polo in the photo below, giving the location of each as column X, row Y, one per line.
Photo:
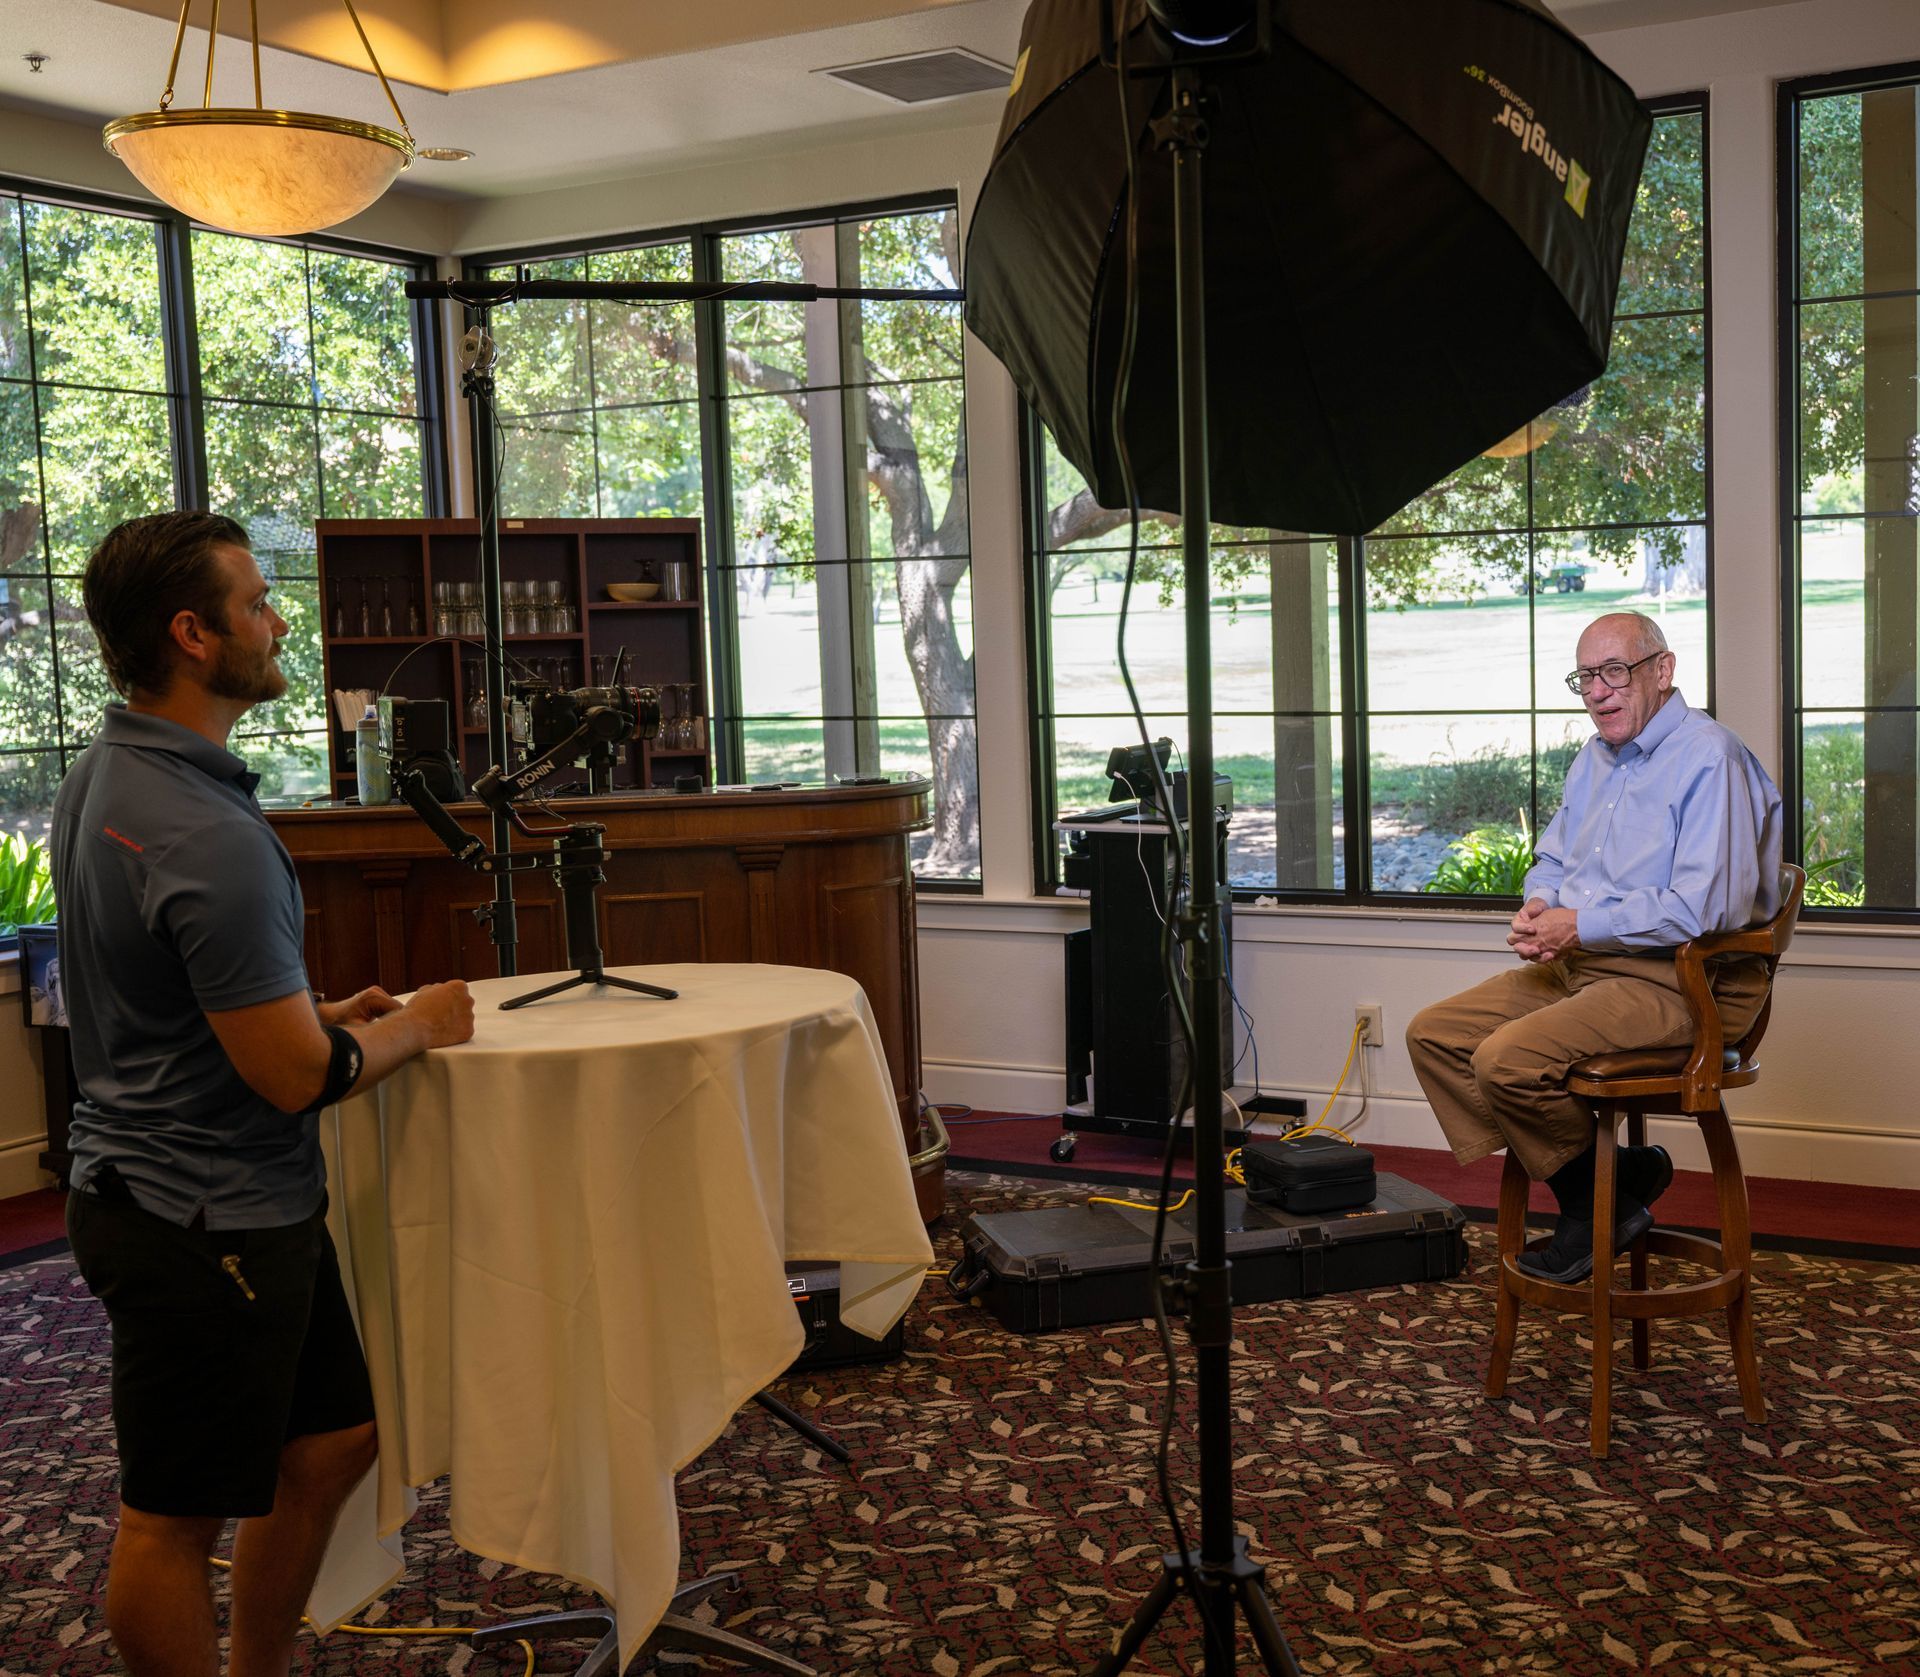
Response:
column 197, row 1211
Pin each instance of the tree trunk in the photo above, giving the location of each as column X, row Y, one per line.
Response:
column 1683, row 578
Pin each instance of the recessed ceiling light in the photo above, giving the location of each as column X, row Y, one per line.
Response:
column 443, row 154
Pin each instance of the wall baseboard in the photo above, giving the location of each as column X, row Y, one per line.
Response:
column 1768, row 1147
column 20, row 1171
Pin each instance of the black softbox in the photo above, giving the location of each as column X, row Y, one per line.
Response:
column 1415, row 217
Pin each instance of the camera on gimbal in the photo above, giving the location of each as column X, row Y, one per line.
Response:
column 559, row 729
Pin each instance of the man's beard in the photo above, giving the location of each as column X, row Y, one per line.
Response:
column 251, row 681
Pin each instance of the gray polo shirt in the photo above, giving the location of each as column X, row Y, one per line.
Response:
column 176, row 899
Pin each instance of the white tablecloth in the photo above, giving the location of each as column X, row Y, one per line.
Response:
column 565, row 1242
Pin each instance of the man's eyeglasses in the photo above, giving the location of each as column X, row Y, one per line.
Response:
column 1614, row 673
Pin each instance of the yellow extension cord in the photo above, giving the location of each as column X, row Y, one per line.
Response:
column 407, row 1630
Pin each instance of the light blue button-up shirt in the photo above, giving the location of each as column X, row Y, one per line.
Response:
column 1673, row 835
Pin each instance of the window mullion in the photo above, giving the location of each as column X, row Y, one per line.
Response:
column 723, row 631
column 186, row 397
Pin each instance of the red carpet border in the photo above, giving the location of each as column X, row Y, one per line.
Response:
column 1002, row 1519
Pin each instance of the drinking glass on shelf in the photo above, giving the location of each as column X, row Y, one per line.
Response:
column 365, row 622
column 339, row 612
column 413, row 608
column 386, row 608
column 443, row 607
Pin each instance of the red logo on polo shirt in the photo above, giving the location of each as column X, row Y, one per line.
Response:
column 121, row 838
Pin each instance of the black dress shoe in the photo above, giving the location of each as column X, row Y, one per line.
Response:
column 1568, row 1256
column 1643, row 1174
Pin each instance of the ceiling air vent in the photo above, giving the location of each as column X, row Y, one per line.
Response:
column 914, row 78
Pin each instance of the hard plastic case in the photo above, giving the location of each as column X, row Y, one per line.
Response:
column 1076, row 1266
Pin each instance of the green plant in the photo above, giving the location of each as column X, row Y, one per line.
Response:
column 1833, row 819
column 26, row 883
column 1828, row 884
column 1477, row 790
column 1488, row 862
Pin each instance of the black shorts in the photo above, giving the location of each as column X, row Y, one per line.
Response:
column 226, row 1344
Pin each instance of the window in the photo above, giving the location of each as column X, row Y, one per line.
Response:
column 311, row 408
column 86, row 439
column 831, row 468
column 304, row 400
column 1851, row 370
column 599, row 415
column 1432, row 651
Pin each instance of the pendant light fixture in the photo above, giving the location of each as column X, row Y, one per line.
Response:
column 263, row 172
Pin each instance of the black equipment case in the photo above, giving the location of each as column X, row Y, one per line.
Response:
column 830, row 1342
column 1079, row 1265
column 1308, row 1173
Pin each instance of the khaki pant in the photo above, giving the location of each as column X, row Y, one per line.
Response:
column 1493, row 1060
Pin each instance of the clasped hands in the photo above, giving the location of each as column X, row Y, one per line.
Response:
column 1542, row 934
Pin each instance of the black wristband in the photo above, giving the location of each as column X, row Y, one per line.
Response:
column 343, row 1066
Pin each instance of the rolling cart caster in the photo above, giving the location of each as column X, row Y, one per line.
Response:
column 1061, row 1152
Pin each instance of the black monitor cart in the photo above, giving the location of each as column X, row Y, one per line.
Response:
column 1123, row 1035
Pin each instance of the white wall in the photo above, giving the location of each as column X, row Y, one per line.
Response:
column 1835, row 1102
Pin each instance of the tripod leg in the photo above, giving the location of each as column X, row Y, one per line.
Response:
column 694, row 1637
column 604, row 1661
column 1145, row 1617
column 805, row 1428
column 541, row 995
column 1265, row 1629
column 636, row 986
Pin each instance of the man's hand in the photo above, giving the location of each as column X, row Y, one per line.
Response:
column 282, row 1053
column 368, row 1005
column 443, row 1012
column 1542, row 934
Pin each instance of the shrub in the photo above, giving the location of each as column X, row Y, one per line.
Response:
column 1827, row 885
column 1833, row 804
column 1479, row 789
column 26, row 883
column 1489, row 862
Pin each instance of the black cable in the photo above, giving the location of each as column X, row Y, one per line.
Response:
column 1169, row 966
column 1253, row 1042
column 453, row 640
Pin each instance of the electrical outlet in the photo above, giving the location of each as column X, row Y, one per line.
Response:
column 1373, row 1018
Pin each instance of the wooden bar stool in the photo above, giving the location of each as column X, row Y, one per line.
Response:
column 1630, row 1084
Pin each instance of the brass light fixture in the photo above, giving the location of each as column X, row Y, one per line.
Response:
column 263, row 172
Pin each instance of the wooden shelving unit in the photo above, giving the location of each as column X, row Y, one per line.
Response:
column 397, row 561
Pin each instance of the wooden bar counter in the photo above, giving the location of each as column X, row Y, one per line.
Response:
column 815, row 877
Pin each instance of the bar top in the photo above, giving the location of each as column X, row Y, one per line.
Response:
column 581, row 808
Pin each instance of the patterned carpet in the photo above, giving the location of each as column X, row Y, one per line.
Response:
column 1002, row 1517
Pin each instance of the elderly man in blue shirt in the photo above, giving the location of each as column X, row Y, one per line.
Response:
column 1669, row 829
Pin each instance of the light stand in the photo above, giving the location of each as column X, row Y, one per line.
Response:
column 1228, row 1580
column 477, row 356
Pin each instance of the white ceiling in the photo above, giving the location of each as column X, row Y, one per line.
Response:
column 104, row 61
